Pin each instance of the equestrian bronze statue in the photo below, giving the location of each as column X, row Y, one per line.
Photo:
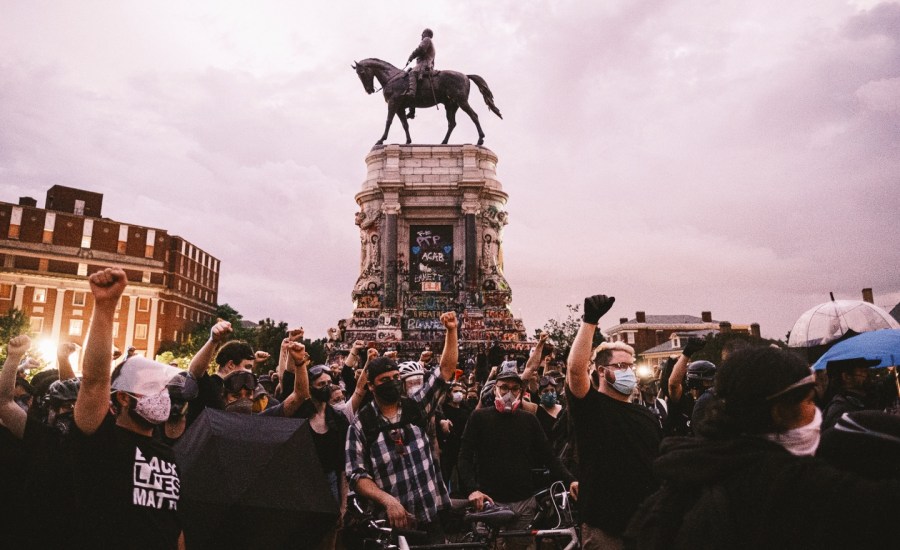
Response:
column 449, row 88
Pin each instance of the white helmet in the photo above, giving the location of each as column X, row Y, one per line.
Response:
column 410, row 368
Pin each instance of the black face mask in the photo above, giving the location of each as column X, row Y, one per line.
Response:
column 322, row 395
column 472, row 401
column 389, row 392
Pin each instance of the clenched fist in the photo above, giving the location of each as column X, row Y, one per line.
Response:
column 220, row 331
column 596, row 307
column 108, row 285
column 18, row 346
column 449, row 320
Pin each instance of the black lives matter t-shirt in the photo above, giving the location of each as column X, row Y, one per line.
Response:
column 128, row 487
column 617, row 443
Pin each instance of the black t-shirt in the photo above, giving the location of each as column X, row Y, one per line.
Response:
column 128, row 487
column 499, row 450
column 49, row 489
column 547, row 421
column 210, row 393
column 617, row 442
column 450, row 442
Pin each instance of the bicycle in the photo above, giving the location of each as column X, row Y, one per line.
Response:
column 486, row 526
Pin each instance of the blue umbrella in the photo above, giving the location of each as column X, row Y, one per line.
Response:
column 878, row 345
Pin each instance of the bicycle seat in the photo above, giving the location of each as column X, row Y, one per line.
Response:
column 495, row 516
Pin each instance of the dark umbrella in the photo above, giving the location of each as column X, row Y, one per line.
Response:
column 252, row 482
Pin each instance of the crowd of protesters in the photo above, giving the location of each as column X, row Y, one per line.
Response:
column 752, row 452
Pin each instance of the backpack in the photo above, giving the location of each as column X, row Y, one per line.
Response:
column 410, row 414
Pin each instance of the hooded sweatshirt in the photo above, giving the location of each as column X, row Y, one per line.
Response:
column 747, row 492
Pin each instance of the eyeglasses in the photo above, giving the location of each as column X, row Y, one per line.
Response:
column 506, row 389
column 620, row 366
column 239, row 380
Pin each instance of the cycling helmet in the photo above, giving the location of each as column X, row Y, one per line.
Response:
column 410, row 368
column 63, row 390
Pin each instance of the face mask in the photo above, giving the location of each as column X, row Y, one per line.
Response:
column 412, row 387
column 244, row 405
column 154, row 408
column 472, row 401
column 389, row 392
column 507, row 403
column 457, row 397
column 802, row 441
column 625, row 381
column 548, row 399
column 322, row 395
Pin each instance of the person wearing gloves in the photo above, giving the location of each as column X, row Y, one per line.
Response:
column 126, row 481
column 617, row 440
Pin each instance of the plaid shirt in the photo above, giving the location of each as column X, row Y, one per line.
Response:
column 400, row 461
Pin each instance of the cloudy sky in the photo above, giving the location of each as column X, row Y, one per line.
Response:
column 738, row 157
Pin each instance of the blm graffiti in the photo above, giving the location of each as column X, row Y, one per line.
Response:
column 431, row 258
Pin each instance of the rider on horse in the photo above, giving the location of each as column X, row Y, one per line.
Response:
column 424, row 56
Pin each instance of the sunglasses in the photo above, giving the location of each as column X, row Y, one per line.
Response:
column 239, row 380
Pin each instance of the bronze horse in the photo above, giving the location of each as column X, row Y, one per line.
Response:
column 448, row 88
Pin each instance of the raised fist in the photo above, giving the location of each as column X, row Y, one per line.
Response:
column 371, row 354
column 261, row 357
column 358, row 346
column 107, row 285
column 66, row 349
column 220, row 331
column 295, row 334
column 18, row 346
column 542, row 337
column 449, row 320
column 298, row 353
column 426, row 357
column 391, row 355
column 693, row 346
column 596, row 307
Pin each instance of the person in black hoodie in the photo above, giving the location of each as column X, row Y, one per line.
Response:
column 752, row 482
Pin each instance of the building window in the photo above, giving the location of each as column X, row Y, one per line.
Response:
column 82, row 270
column 175, row 336
column 49, row 224
column 87, row 233
column 36, row 324
column 145, row 277
column 79, row 298
column 79, row 208
column 15, row 221
column 140, row 332
column 629, row 337
column 148, row 249
column 6, row 292
column 40, row 296
column 162, row 308
column 143, row 304
column 115, row 330
column 75, row 326
column 43, row 264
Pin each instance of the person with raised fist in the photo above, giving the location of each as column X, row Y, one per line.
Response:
column 389, row 458
column 126, row 481
column 616, row 439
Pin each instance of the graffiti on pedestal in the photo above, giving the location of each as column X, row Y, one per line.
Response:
column 431, row 258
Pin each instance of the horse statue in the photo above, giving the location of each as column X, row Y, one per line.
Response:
column 449, row 88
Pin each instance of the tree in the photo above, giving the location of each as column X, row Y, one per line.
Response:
column 562, row 333
column 12, row 324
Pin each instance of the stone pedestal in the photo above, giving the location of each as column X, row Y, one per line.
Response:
column 431, row 233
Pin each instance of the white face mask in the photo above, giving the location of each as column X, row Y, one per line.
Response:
column 802, row 441
column 154, row 408
column 457, row 397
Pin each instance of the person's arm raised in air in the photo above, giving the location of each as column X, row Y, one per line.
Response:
column 300, row 394
column 676, row 379
column 359, row 394
column 577, row 375
column 217, row 335
column 11, row 415
column 63, row 364
column 534, row 361
column 92, row 404
column 450, row 355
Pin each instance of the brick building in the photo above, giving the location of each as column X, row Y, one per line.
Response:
column 46, row 255
column 657, row 337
